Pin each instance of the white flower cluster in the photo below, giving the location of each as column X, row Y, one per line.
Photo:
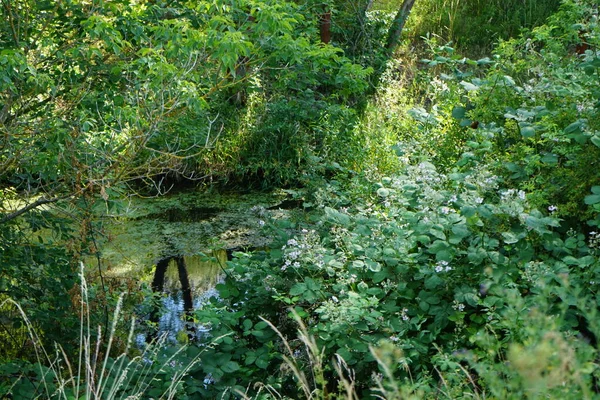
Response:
column 594, row 240
column 511, row 194
column 404, row 316
column 302, row 249
column 535, row 272
column 442, row 266
column 460, row 307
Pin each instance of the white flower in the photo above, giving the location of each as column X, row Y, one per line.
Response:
column 261, row 223
column 293, row 255
column 292, row 242
column 479, row 200
column 442, row 266
column 552, row 208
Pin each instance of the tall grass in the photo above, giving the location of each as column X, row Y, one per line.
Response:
column 309, row 372
column 95, row 374
column 475, row 25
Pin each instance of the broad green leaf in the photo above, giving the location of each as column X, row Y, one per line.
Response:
column 383, row 192
column 575, row 127
column 510, row 237
column 469, row 87
column 458, row 112
column 527, row 130
column 592, row 199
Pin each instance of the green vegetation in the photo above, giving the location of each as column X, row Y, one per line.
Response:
column 447, row 244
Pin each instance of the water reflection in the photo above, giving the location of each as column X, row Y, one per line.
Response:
column 203, row 272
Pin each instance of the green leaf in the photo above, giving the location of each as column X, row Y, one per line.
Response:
column 458, row 112
column 337, row 217
column 380, row 276
column 262, row 362
column 438, row 246
column 230, row 366
column 575, row 127
column 595, row 140
column 298, row 289
column 550, row 159
column 592, row 199
column 469, row 87
column 570, row 260
column 527, row 130
column 433, row 282
column 247, row 324
column 510, row 237
column 373, row 266
column 383, row 192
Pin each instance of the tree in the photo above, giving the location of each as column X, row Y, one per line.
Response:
column 393, row 37
column 95, row 96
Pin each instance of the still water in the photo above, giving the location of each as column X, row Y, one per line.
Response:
column 184, row 225
column 203, row 273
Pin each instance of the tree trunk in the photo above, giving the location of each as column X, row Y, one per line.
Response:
column 395, row 30
column 325, row 27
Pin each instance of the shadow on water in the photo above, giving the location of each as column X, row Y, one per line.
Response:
column 186, row 283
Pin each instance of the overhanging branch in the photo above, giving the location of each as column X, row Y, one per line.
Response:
column 35, row 204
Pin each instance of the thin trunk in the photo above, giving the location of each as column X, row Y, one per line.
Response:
column 395, row 30
column 325, row 27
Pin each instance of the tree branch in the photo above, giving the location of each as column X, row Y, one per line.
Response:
column 35, row 204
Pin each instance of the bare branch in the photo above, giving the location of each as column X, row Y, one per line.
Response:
column 35, row 204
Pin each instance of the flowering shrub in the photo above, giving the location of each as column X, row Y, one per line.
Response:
column 448, row 268
column 468, row 267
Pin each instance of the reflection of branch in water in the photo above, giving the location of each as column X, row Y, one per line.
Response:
column 158, row 285
column 188, row 305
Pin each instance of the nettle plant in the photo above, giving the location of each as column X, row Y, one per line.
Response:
column 448, row 269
